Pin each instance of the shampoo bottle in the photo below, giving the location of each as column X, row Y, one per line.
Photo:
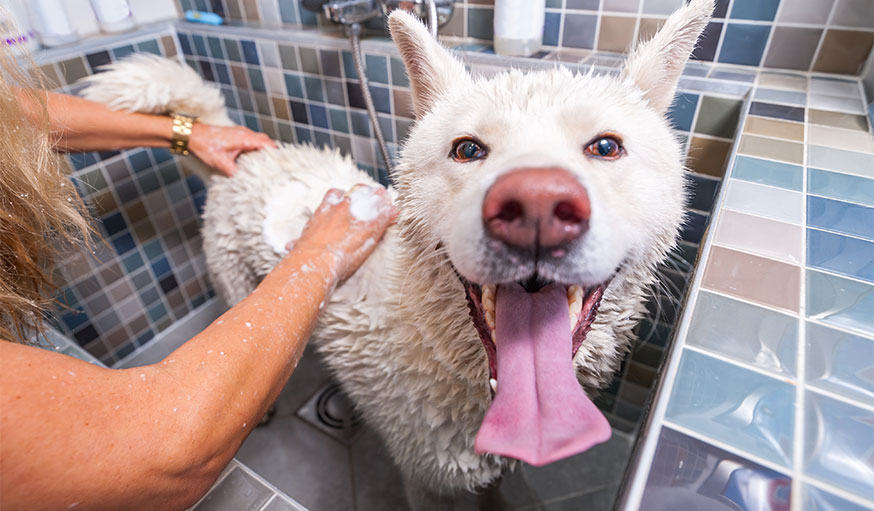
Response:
column 52, row 23
column 519, row 26
column 113, row 15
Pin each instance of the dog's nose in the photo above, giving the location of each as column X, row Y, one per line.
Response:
column 536, row 206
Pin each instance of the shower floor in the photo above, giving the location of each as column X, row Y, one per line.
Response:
column 313, row 452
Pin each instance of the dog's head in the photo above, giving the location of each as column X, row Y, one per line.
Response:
column 540, row 187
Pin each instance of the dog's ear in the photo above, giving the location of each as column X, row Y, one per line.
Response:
column 656, row 65
column 431, row 68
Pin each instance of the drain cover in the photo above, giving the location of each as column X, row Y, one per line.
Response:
column 331, row 411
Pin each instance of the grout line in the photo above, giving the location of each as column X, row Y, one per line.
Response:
column 825, row 30
column 857, row 403
column 722, row 32
column 731, row 449
column 840, row 492
column 740, row 363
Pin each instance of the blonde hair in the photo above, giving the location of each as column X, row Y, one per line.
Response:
column 40, row 211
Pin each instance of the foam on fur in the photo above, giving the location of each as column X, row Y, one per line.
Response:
column 398, row 335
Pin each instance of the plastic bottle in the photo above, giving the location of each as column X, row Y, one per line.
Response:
column 17, row 32
column 113, row 15
column 519, row 26
column 51, row 22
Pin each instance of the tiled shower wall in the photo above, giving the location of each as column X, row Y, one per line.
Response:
column 151, row 270
column 830, row 36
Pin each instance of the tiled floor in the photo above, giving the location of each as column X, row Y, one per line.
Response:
column 326, row 474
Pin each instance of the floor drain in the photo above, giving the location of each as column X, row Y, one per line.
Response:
column 331, row 411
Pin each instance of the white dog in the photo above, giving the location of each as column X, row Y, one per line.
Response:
column 534, row 210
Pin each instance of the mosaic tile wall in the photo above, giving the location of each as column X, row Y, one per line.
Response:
column 783, row 309
column 831, row 36
column 151, row 272
column 305, row 93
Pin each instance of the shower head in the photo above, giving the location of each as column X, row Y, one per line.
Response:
column 347, row 12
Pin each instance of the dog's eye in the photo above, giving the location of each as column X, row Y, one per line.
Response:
column 467, row 149
column 605, row 147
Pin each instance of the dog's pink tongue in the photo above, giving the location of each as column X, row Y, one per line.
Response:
column 540, row 413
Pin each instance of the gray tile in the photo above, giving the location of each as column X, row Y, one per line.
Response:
column 279, row 504
column 854, row 13
column 238, row 491
column 375, row 474
column 806, row 11
column 601, row 499
column 601, row 466
column 302, row 462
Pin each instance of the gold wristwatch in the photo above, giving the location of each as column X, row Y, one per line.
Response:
column 182, row 125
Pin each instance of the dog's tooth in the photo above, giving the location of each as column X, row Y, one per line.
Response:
column 488, row 303
column 489, row 290
column 494, row 337
column 494, row 384
column 573, row 322
column 573, row 290
column 490, row 318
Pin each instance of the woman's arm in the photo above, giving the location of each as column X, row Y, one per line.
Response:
column 76, row 124
column 73, row 435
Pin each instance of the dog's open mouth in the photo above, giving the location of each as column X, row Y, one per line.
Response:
column 531, row 332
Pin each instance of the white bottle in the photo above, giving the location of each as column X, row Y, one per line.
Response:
column 52, row 23
column 519, row 26
column 17, row 32
column 113, row 15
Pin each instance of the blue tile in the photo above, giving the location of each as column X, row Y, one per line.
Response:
column 688, row 474
column 307, row 17
column 349, row 65
column 323, row 139
column 360, row 123
column 376, row 69
column 148, row 181
column 840, row 362
column 123, row 51
column 299, row 112
column 206, row 70
column 381, row 99
column 251, row 122
column 199, row 202
column 160, row 155
column 139, row 160
column 694, row 226
column 74, row 319
column 836, row 185
column 767, row 172
column 149, row 47
column 303, row 135
column 790, row 113
column 199, row 46
column 338, row 120
column 708, row 42
column 195, row 184
column 232, row 50
column 82, row 160
column 123, row 243
column 153, row 249
column 293, row 85
column 762, row 10
column 161, row 267
column 744, row 44
column 149, row 295
column 682, row 111
column 840, row 254
column 288, row 11
column 840, row 302
column 734, row 405
column 579, row 30
column 319, row 116
column 142, row 339
column 838, row 444
column 114, row 224
column 132, row 261
column 551, row 28
column 314, row 89
column 250, row 52
column 842, row 217
column 256, row 78
column 185, row 44
column 222, row 73
column 157, row 312
column 745, row 332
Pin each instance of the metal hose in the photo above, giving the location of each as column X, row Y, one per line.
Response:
column 354, row 30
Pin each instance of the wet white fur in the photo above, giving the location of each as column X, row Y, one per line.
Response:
column 397, row 335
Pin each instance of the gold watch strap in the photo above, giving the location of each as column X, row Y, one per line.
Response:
column 182, row 126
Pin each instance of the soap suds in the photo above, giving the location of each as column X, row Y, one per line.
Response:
column 364, row 203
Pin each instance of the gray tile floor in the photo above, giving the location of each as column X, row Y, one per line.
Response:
column 324, row 473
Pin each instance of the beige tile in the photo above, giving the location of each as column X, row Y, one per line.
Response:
column 774, row 149
column 774, row 128
column 251, row 11
column 843, row 51
column 403, row 103
column 837, row 120
column 753, row 278
column 616, row 34
column 761, row 236
column 169, row 46
column 783, row 81
column 280, row 107
column 52, row 80
column 648, row 28
column 708, row 156
column 840, row 139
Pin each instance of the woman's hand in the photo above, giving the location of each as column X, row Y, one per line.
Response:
column 348, row 225
column 219, row 146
